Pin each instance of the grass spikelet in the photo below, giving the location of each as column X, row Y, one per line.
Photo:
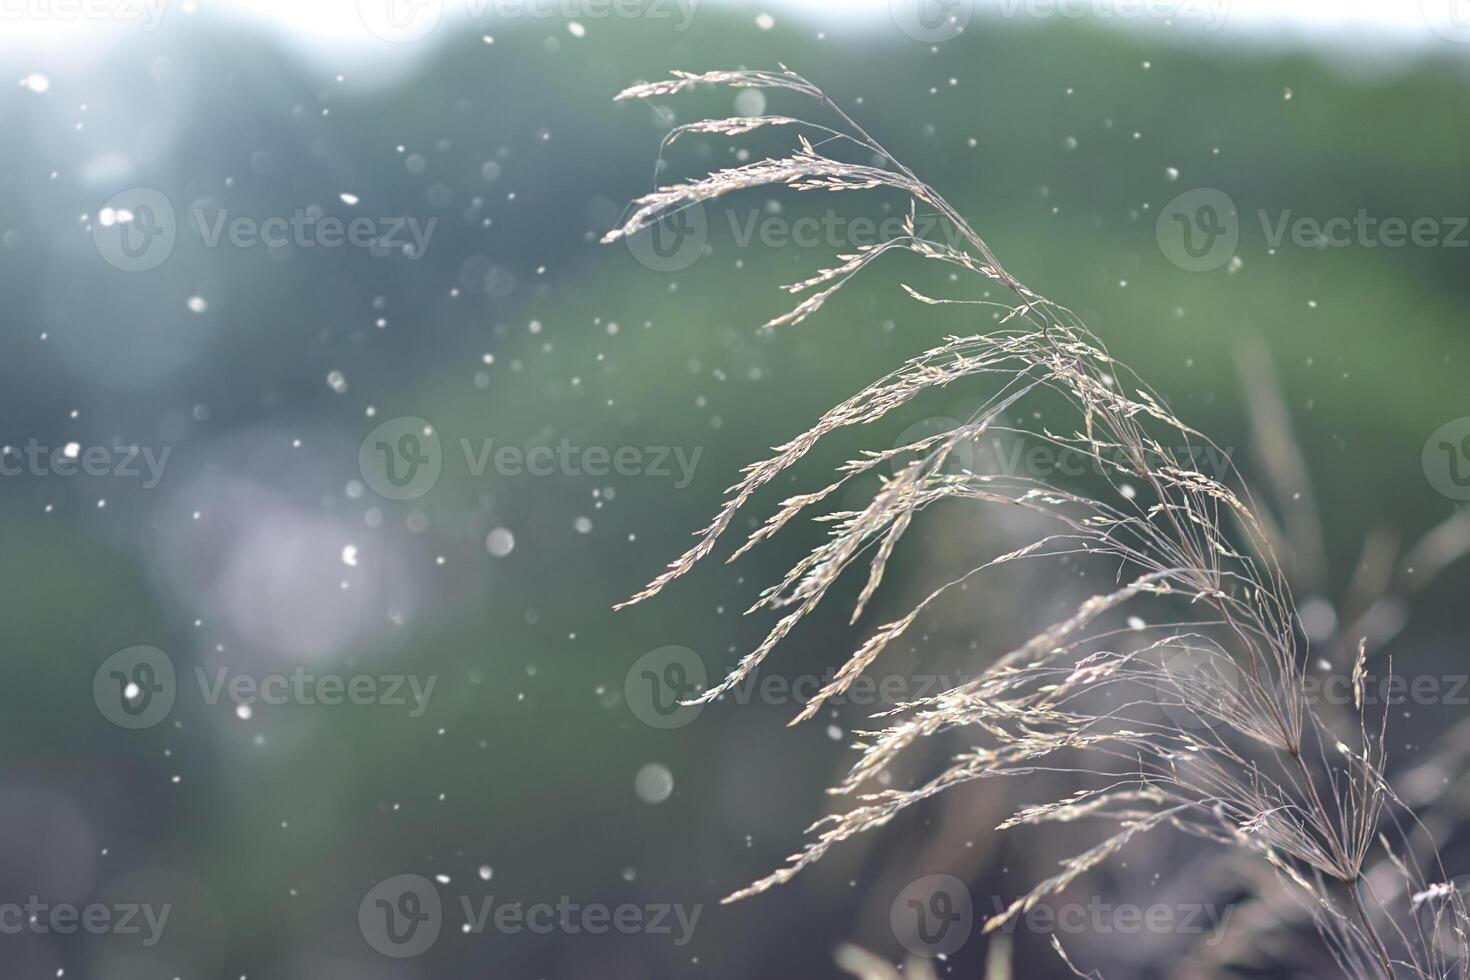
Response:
column 1196, row 722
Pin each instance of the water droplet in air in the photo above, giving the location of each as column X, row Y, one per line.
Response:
column 750, row 102
column 654, row 783
column 500, row 542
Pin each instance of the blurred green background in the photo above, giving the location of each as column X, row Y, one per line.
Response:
column 262, row 549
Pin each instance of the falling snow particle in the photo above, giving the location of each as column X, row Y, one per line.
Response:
column 750, row 102
column 500, row 542
column 654, row 783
